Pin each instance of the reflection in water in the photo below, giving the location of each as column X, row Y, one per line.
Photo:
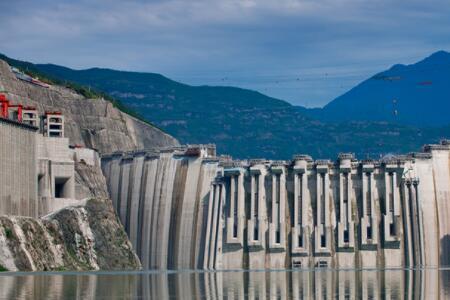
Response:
column 319, row 284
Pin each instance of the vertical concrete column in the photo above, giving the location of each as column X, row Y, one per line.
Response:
column 322, row 229
column 327, row 199
column 209, row 227
column 319, row 195
column 297, row 234
column 297, row 239
column 299, row 230
column 407, row 223
column 350, row 219
column 392, row 207
column 416, row 223
column 395, row 209
column 343, row 227
column 231, row 226
column 374, row 215
column 233, row 255
column 275, row 207
column 369, row 223
column 342, row 206
column 419, row 221
column 135, row 191
column 255, row 222
column 364, row 193
column 213, row 240
column 277, row 230
column 346, row 231
column 235, row 204
column 394, row 255
column 125, row 168
column 301, row 223
column 387, row 198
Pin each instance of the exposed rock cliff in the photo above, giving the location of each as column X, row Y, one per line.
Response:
column 94, row 123
column 90, row 182
column 84, row 237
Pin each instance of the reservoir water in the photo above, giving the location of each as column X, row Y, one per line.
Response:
column 305, row 284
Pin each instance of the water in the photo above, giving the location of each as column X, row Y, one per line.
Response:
column 312, row 284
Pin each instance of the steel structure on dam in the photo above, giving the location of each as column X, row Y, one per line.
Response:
column 186, row 208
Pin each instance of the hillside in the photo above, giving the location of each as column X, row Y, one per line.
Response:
column 416, row 94
column 94, row 123
column 246, row 123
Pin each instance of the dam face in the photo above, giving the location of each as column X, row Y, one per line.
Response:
column 186, row 208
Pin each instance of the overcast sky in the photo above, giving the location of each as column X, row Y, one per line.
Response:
column 304, row 51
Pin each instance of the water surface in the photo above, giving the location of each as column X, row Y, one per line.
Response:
column 305, row 284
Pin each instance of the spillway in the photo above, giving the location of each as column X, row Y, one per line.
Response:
column 184, row 207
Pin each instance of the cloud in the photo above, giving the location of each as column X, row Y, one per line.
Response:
column 266, row 45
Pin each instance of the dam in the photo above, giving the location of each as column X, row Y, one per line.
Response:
column 184, row 207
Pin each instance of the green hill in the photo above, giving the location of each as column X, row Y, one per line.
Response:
column 242, row 122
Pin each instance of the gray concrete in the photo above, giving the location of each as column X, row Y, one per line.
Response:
column 37, row 171
column 18, row 162
column 198, row 211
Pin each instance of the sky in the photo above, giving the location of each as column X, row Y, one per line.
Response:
column 306, row 52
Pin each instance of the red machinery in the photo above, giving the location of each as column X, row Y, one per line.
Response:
column 4, row 106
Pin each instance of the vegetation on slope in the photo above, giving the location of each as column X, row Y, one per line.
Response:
column 86, row 91
column 246, row 123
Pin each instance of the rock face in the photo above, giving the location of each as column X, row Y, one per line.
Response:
column 84, row 237
column 93, row 123
column 89, row 182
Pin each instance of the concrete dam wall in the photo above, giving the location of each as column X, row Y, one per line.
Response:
column 161, row 199
column 185, row 208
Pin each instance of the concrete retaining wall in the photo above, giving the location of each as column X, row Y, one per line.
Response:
column 18, row 173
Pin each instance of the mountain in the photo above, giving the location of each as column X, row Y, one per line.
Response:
column 242, row 122
column 89, row 121
column 416, row 94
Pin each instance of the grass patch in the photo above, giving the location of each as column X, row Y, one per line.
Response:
column 9, row 233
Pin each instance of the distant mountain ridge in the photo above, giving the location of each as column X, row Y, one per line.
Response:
column 416, row 94
column 248, row 124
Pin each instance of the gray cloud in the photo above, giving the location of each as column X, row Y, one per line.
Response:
column 328, row 45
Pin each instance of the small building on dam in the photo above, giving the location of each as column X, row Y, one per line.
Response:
column 184, row 208
column 36, row 163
